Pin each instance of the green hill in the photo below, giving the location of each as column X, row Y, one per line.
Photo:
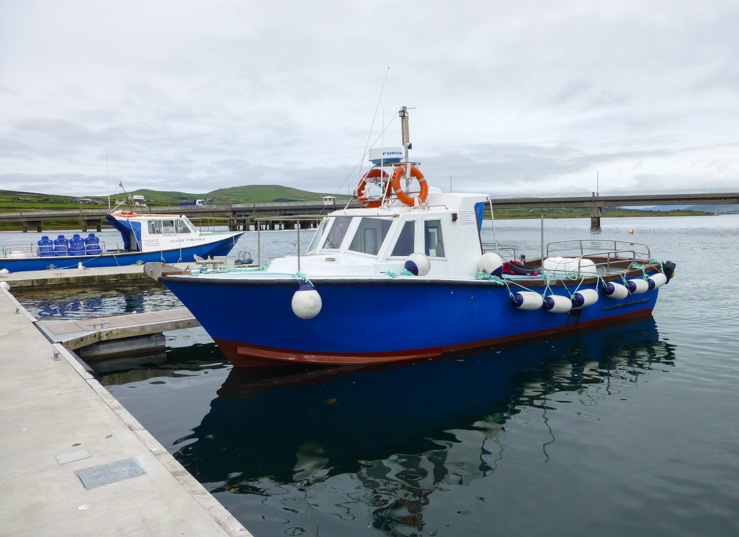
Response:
column 236, row 194
column 15, row 201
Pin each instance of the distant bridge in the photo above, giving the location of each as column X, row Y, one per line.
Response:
column 239, row 216
column 596, row 202
column 242, row 216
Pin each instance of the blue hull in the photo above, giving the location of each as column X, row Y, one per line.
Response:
column 380, row 320
column 183, row 255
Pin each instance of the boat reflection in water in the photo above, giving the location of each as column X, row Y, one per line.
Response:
column 319, row 446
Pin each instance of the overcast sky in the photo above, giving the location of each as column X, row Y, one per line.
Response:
column 507, row 96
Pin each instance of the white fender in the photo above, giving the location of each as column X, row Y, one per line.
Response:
column 418, row 264
column 306, row 302
column 527, row 300
column 655, row 281
column 583, row 298
column 615, row 290
column 557, row 304
column 637, row 286
column 490, row 263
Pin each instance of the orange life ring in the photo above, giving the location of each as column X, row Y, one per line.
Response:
column 364, row 196
column 126, row 214
column 398, row 174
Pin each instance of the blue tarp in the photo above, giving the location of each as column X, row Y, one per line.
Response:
column 479, row 211
column 127, row 229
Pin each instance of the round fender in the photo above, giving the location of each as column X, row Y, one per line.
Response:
column 417, row 264
column 306, row 302
column 490, row 263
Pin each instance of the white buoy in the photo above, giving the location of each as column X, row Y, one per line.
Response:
column 306, row 302
column 527, row 300
column 418, row 264
column 637, row 286
column 583, row 298
column 557, row 304
column 615, row 290
column 655, row 281
column 490, row 263
column 4, row 272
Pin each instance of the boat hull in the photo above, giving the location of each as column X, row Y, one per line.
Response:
column 179, row 255
column 379, row 320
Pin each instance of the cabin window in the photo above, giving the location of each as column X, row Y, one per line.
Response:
column 404, row 246
column 370, row 235
column 317, row 237
column 433, row 238
column 337, row 232
column 168, row 226
column 182, row 227
column 155, row 227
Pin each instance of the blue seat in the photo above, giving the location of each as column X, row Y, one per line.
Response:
column 77, row 245
column 92, row 245
column 45, row 247
column 61, row 246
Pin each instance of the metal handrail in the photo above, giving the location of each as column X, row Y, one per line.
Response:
column 612, row 250
column 602, row 247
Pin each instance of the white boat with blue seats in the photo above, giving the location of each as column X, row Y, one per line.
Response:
column 406, row 276
column 167, row 238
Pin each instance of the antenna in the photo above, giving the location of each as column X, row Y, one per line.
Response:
column 405, row 130
column 107, row 180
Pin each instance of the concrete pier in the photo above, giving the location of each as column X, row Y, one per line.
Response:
column 38, row 279
column 74, row 462
column 78, row 334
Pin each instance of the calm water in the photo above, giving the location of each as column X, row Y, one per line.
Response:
column 626, row 431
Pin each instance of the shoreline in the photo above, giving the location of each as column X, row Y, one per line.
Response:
column 500, row 214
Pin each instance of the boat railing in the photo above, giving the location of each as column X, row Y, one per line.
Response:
column 311, row 219
column 57, row 250
column 606, row 255
column 505, row 252
column 20, row 250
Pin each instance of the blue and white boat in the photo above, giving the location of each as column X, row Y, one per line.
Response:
column 145, row 237
column 407, row 277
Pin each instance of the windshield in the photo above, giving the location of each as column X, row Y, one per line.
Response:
column 370, row 235
column 337, row 232
column 317, row 237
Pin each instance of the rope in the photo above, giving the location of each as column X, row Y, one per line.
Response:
column 661, row 267
column 404, row 272
column 303, row 278
column 639, row 267
column 492, row 278
column 547, row 279
column 500, row 281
